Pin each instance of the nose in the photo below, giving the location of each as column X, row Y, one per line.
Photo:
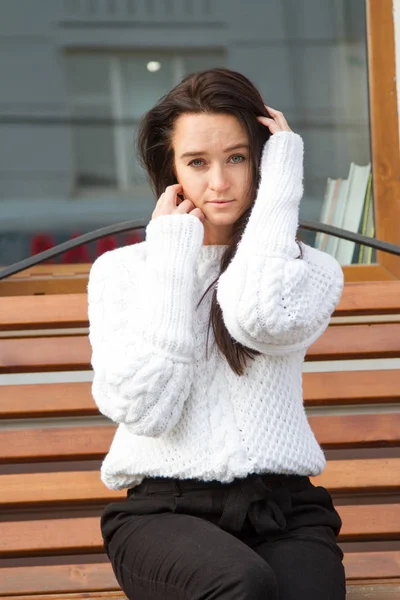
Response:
column 218, row 181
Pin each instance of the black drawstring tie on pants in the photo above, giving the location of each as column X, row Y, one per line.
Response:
column 261, row 504
column 262, row 536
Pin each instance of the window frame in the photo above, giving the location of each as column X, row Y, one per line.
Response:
column 385, row 147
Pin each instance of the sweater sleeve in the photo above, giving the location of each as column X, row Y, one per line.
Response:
column 273, row 300
column 140, row 326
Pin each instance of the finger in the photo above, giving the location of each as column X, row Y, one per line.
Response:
column 170, row 194
column 197, row 212
column 185, row 206
column 270, row 123
column 279, row 118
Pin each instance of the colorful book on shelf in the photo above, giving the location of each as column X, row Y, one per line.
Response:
column 328, row 209
column 365, row 253
column 348, row 205
column 332, row 212
column 358, row 183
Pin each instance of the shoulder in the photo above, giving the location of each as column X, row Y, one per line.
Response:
column 117, row 261
column 116, row 270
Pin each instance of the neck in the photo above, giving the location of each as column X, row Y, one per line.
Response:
column 217, row 236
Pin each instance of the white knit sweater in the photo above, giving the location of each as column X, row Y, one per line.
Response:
column 180, row 413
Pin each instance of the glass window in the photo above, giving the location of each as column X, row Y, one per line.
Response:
column 108, row 95
column 308, row 58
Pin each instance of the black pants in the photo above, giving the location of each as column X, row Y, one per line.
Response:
column 265, row 537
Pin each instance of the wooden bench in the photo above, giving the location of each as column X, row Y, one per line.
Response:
column 52, row 440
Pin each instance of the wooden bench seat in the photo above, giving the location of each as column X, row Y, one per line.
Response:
column 52, row 441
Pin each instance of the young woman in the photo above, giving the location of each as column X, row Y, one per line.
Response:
column 199, row 335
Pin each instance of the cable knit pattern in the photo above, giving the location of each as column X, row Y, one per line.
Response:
column 141, row 318
column 187, row 415
column 271, row 300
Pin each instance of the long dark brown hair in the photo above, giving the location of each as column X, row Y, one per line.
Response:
column 212, row 91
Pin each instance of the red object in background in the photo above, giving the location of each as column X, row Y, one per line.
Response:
column 76, row 255
column 41, row 243
column 133, row 238
column 44, row 241
column 106, row 244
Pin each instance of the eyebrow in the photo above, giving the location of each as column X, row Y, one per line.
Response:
column 203, row 152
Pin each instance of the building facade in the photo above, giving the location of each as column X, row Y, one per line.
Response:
column 78, row 74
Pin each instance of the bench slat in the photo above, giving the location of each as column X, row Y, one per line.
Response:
column 349, row 342
column 351, row 387
column 58, row 579
column 320, row 389
column 55, row 443
column 43, row 312
column 25, row 401
column 372, row 298
column 92, row 442
column 341, row 476
column 100, row 577
column 374, row 590
column 372, row 475
column 355, row 431
column 372, row 565
column 82, row 535
column 53, row 353
column 73, row 352
column 49, row 311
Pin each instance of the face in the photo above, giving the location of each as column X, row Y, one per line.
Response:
column 212, row 163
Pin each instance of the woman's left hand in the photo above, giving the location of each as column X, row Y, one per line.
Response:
column 277, row 123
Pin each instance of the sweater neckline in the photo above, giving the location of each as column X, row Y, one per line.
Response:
column 212, row 252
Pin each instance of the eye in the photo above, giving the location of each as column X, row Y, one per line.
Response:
column 238, row 158
column 197, row 162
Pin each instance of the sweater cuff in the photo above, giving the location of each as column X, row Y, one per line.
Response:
column 180, row 236
column 273, row 222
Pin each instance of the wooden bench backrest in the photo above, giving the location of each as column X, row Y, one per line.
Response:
column 52, row 441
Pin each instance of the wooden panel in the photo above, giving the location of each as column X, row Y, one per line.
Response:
column 373, row 522
column 388, row 590
column 92, row 442
column 56, row 488
column 361, row 476
column 47, row 400
column 355, row 431
column 38, row 280
column 372, row 298
column 100, row 577
column 30, row 287
column 40, row 312
column 55, row 443
column 55, row 311
column 357, row 342
column 69, row 353
column 58, row 579
column 351, row 387
column 384, row 132
column 110, row 595
column 320, row 389
column 372, row 565
column 377, row 590
column 74, row 352
column 352, row 476
column 51, row 537
column 82, row 535
column 50, row 270
column 365, row 273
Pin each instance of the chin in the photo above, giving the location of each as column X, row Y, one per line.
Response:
column 221, row 220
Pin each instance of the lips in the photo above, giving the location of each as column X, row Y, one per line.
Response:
column 220, row 201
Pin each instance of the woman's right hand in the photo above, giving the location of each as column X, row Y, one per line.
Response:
column 170, row 204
